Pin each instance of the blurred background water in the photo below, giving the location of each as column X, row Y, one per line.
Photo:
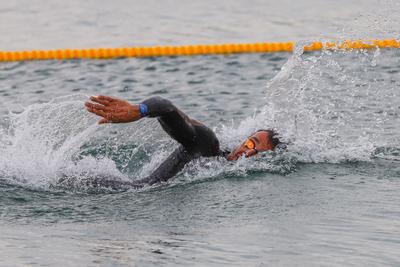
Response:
column 330, row 199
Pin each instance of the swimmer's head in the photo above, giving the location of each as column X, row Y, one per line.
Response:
column 262, row 140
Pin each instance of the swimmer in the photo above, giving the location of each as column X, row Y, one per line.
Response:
column 195, row 139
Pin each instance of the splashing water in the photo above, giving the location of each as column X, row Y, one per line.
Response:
column 329, row 107
column 38, row 142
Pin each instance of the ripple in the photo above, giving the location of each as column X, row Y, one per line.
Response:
column 150, row 68
column 129, row 80
column 173, row 70
column 196, row 81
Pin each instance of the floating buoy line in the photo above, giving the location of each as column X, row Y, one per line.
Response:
column 189, row 50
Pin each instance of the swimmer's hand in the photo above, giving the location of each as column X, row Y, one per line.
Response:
column 113, row 110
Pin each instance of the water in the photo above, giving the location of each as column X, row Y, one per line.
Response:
column 330, row 199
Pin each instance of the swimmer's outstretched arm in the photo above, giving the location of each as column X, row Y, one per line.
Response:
column 176, row 123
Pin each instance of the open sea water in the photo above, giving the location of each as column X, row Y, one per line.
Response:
column 330, row 199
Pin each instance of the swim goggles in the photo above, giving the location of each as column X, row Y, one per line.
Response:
column 250, row 144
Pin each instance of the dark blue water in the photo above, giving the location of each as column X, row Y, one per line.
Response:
column 330, row 199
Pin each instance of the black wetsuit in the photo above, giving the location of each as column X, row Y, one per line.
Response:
column 195, row 139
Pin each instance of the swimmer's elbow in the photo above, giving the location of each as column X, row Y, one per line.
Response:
column 158, row 106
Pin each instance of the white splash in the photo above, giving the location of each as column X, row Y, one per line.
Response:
column 329, row 107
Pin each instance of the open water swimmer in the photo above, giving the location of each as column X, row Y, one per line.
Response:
column 195, row 139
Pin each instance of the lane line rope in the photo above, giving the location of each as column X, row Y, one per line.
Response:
column 189, row 50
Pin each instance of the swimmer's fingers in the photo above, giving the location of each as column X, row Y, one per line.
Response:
column 105, row 98
column 98, row 112
column 101, row 99
column 110, row 117
column 103, row 120
column 96, row 106
column 102, row 113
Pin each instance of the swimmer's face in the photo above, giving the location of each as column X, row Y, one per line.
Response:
column 257, row 142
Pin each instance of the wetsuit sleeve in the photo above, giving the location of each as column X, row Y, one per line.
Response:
column 176, row 123
column 169, row 168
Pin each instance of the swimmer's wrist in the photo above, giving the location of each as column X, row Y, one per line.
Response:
column 144, row 110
